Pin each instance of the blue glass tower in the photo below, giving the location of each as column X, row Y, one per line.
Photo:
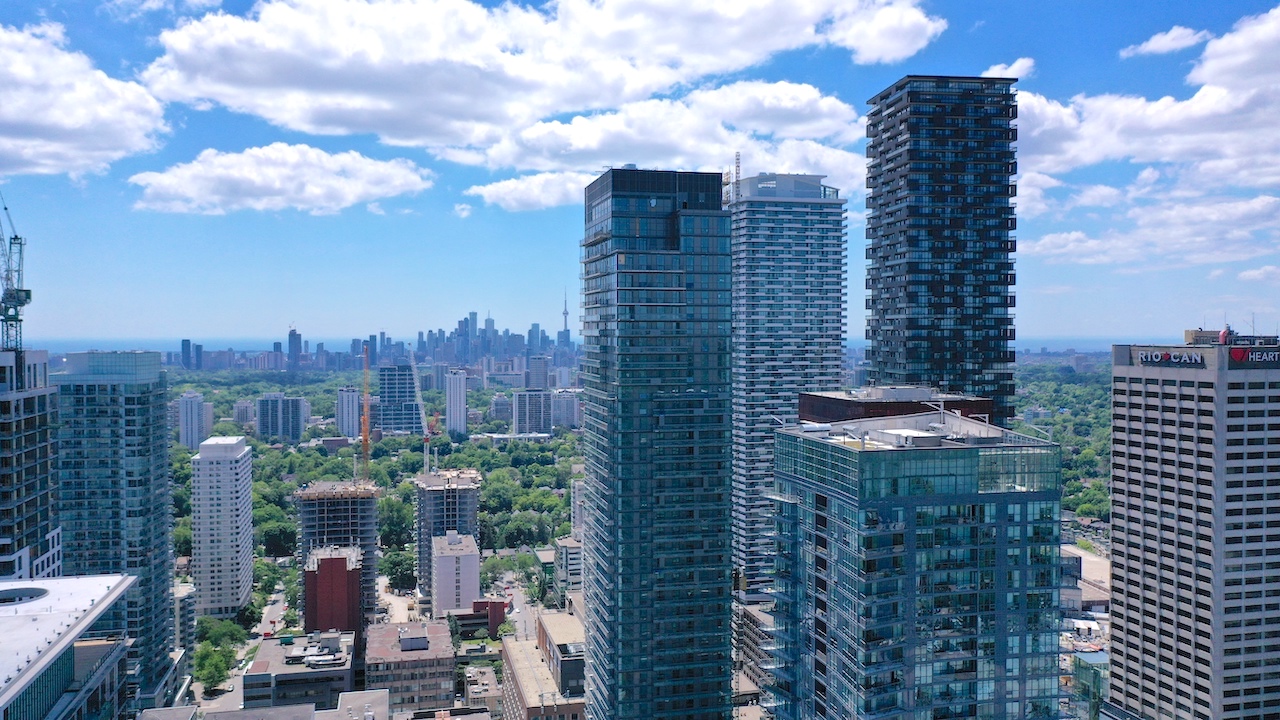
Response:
column 918, row 570
column 655, row 368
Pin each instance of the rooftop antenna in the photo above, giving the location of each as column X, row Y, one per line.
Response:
column 737, row 175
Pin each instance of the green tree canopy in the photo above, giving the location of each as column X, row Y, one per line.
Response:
column 399, row 566
column 395, row 522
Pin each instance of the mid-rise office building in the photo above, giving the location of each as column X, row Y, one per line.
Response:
column 282, row 419
column 918, row 570
column 184, row 617
column 543, row 677
column 195, row 419
column 655, row 372
column 115, row 503
column 414, row 661
column 341, row 514
column 56, row 665
column 400, row 402
column 313, row 669
column 348, row 411
column 1195, row 483
column 30, row 535
column 222, row 526
column 788, row 337
column 939, row 221
column 455, row 399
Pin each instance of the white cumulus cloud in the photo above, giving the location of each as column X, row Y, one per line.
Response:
column 1023, row 68
column 531, row 192
column 541, row 90
column 462, row 210
column 1171, row 40
column 277, row 177
column 1266, row 273
column 60, row 114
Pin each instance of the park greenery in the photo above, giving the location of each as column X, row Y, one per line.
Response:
column 1079, row 407
column 524, row 497
column 216, row 652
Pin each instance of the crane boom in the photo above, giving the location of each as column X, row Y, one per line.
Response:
column 13, row 297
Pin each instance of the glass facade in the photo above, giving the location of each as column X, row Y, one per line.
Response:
column 788, row 333
column 940, row 266
column 655, row 371
column 916, row 582
column 114, row 499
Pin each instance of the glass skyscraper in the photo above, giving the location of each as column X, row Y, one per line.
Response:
column 788, row 247
column 115, row 503
column 917, row 571
column 940, row 268
column 655, row 371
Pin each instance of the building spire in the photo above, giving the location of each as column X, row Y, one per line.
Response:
column 566, row 309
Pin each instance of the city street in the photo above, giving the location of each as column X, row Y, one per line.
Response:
column 234, row 698
column 520, row 615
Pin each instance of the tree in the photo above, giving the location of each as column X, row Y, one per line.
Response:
column 249, row 616
column 182, row 537
column 399, row 566
column 266, row 575
column 211, row 666
column 221, row 633
column 455, row 632
column 279, row 538
column 395, row 522
column 506, row 628
column 480, row 635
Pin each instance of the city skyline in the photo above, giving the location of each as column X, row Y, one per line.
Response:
column 1146, row 151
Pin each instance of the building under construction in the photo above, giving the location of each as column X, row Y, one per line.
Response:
column 341, row 514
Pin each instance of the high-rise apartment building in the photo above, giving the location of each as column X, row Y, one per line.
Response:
column 918, row 570
column 195, row 419
column 536, row 375
column 455, row 401
column 788, row 247
column 244, row 411
column 30, row 535
column 447, row 500
column 294, row 358
column 655, row 372
column 115, row 504
column 531, row 411
column 341, row 514
column 400, row 402
column 1195, row 487
column 222, row 526
column 348, row 411
column 282, row 419
column 940, row 253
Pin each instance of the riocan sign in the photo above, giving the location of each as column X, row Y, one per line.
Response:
column 1243, row 358
column 1170, row 358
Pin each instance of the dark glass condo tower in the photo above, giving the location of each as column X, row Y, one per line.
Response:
column 940, row 271
column 655, row 368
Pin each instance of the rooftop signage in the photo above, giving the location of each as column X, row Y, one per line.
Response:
column 1170, row 358
column 1247, row 358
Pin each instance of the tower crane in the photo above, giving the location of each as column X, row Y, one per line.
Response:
column 13, row 297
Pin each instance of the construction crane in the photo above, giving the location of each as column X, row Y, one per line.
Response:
column 14, row 297
column 364, row 423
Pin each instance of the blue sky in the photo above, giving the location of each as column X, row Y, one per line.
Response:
column 190, row 168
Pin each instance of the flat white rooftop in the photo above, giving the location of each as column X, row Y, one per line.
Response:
column 41, row 618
